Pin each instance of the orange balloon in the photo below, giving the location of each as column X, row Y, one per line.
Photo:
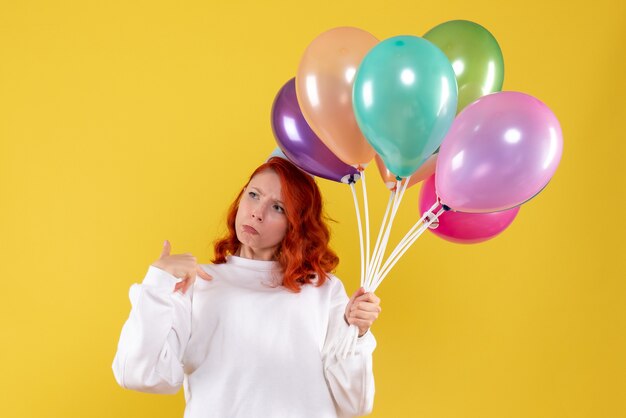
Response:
column 426, row 170
column 324, row 89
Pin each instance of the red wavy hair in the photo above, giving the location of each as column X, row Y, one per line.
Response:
column 304, row 252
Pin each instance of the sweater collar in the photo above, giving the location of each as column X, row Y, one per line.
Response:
column 252, row 264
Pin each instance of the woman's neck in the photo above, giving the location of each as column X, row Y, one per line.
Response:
column 246, row 252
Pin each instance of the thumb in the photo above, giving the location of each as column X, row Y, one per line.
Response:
column 166, row 249
column 359, row 292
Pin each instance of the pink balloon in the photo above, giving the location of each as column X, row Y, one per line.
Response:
column 500, row 151
column 464, row 228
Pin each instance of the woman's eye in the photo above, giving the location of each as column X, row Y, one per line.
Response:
column 279, row 209
column 252, row 194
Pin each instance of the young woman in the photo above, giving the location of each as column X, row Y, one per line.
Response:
column 249, row 338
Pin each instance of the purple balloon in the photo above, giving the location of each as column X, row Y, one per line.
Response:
column 500, row 151
column 464, row 228
column 300, row 144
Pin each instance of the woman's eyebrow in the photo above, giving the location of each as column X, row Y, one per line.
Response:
column 258, row 190
column 263, row 194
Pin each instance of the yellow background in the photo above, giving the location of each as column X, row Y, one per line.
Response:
column 124, row 123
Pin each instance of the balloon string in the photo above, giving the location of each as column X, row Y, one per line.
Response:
column 349, row 342
column 343, row 345
column 396, row 257
column 407, row 241
column 360, row 226
column 385, row 238
column 401, row 188
column 383, row 243
column 399, row 251
column 367, row 226
column 350, row 337
column 411, row 231
column 370, row 270
column 392, row 261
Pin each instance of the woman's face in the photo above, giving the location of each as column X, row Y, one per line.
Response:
column 261, row 223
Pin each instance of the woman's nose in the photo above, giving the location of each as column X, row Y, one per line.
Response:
column 257, row 213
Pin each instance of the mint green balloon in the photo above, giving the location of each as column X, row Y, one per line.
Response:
column 404, row 99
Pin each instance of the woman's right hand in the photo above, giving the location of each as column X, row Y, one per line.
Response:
column 183, row 266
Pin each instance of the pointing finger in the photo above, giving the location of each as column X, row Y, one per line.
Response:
column 166, row 249
column 203, row 274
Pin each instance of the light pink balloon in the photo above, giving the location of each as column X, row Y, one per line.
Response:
column 464, row 228
column 500, row 151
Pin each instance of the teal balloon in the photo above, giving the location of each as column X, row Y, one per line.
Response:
column 404, row 99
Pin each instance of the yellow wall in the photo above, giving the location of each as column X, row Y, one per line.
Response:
column 125, row 123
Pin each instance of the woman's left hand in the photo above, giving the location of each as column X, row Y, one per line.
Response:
column 362, row 310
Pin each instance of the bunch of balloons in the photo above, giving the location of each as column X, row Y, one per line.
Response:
column 425, row 108
column 419, row 105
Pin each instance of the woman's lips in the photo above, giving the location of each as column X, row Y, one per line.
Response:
column 250, row 230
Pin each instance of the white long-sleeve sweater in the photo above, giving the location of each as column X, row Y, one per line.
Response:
column 243, row 346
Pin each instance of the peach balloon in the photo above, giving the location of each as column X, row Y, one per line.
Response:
column 324, row 89
column 426, row 170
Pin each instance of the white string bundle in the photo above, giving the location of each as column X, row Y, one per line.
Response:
column 372, row 273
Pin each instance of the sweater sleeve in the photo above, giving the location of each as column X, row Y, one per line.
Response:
column 154, row 337
column 351, row 380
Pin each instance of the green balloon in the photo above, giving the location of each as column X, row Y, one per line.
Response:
column 404, row 99
column 475, row 56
